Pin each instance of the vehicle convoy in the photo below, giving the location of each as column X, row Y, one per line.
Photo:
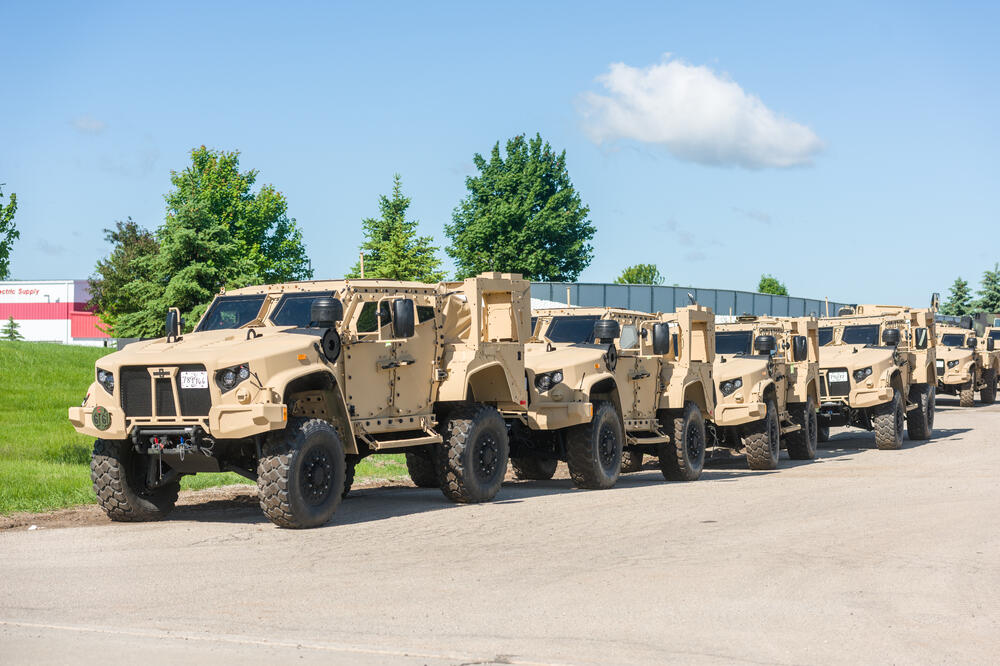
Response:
column 646, row 378
column 766, row 374
column 877, row 372
column 292, row 384
column 966, row 364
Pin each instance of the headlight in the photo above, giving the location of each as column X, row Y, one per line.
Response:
column 730, row 385
column 861, row 373
column 107, row 380
column 546, row 380
column 952, row 364
column 228, row 378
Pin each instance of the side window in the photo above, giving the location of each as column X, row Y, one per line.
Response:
column 424, row 313
column 629, row 337
column 368, row 322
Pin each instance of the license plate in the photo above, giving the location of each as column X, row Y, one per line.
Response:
column 940, row 364
column 194, row 380
column 837, row 377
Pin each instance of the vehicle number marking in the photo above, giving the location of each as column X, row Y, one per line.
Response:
column 837, row 377
column 197, row 379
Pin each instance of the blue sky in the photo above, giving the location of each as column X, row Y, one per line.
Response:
column 851, row 150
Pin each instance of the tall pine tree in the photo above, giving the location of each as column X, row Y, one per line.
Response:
column 959, row 299
column 392, row 248
column 989, row 292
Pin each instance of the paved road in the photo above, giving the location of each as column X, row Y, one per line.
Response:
column 861, row 556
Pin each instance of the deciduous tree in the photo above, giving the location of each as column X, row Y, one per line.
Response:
column 8, row 232
column 641, row 274
column 770, row 285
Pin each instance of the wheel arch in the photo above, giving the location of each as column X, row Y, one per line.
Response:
column 336, row 406
column 489, row 384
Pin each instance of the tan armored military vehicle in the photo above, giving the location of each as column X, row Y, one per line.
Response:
column 966, row 364
column 767, row 376
column 877, row 372
column 292, row 384
column 647, row 379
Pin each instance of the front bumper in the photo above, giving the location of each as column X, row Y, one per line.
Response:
column 954, row 379
column 556, row 415
column 223, row 421
column 737, row 414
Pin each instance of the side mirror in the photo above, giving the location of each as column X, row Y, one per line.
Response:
column 990, row 344
column 765, row 344
column 800, row 348
column 403, row 312
column 972, row 343
column 661, row 339
column 890, row 337
column 325, row 312
column 965, row 321
column 173, row 324
column 920, row 338
column 606, row 330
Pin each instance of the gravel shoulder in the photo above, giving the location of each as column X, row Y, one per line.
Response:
column 861, row 556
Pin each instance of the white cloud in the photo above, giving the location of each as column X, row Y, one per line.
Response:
column 89, row 124
column 697, row 115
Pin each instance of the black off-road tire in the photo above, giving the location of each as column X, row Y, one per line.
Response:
column 631, row 461
column 473, row 458
column 988, row 394
column 594, row 450
column 920, row 421
column 423, row 471
column 822, row 433
column 889, row 420
column 301, row 476
column 762, row 440
column 534, row 469
column 119, row 477
column 683, row 457
column 802, row 443
column 967, row 395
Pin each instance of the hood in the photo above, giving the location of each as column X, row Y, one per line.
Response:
column 954, row 354
column 563, row 356
column 854, row 356
column 730, row 366
column 215, row 348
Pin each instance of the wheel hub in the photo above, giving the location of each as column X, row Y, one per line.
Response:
column 488, row 455
column 317, row 472
column 607, row 446
column 693, row 437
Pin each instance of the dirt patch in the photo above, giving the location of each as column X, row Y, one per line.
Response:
column 227, row 500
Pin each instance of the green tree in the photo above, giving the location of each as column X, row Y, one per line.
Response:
column 989, row 292
column 521, row 215
column 121, row 282
column 770, row 285
column 8, row 232
column 217, row 233
column 641, row 274
column 959, row 299
column 392, row 248
column 10, row 331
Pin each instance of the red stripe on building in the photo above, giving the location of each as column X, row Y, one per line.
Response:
column 40, row 310
column 85, row 325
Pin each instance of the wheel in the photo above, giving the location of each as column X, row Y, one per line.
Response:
column 631, row 461
column 920, row 421
column 823, row 433
column 801, row 444
column 474, row 454
column 423, row 471
column 889, row 423
column 988, row 394
column 351, row 461
column 683, row 457
column 301, row 476
column 762, row 441
column 967, row 394
column 594, row 450
column 119, row 477
column 535, row 469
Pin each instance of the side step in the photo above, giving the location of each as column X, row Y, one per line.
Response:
column 794, row 427
column 381, row 443
column 639, row 438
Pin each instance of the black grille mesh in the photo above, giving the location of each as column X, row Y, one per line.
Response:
column 137, row 396
column 839, row 388
column 136, row 399
column 194, row 402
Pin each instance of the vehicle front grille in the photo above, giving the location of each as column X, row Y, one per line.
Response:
column 839, row 388
column 140, row 391
column 822, row 386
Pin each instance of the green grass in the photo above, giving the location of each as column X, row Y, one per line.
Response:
column 44, row 463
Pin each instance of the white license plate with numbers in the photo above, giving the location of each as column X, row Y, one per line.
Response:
column 194, row 380
column 940, row 364
column 837, row 377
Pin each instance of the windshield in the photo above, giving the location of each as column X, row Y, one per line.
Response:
column 953, row 340
column 860, row 335
column 995, row 335
column 733, row 342
column 296, row 309
column 231, row 312
column 572, row 329
column 825, row 336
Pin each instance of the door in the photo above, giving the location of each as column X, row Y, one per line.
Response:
column 415, row 357
column 368, row 363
